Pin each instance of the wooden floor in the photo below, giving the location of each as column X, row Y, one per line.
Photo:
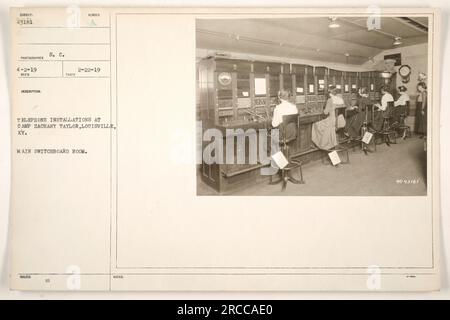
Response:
column 385, row 172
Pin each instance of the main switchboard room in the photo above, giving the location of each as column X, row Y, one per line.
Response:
column 345, row 103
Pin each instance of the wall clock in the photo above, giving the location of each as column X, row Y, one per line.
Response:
column 405, row 72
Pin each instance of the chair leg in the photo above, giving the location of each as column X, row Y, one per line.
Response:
column 395, row 137
column 284, row 179
column 301, row 174
column 274, row 182
column 406, row 132
column 387, row 139
column 283, row 187
column 324, row 157
column 294, row 180
column 364, row 148
column 347, row 157
column 406, row 129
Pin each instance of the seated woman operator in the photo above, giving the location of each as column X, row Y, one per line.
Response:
column 402, row 100
column 384, row 109
column 284, row 108
column 323, row 133
column 356, row 115
column 400, row 106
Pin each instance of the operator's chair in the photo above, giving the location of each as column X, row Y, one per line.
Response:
column 289, row 133
column 343, row 141
column 387, row 131
column 340, row 131
column 402, row 127
column 365, row 128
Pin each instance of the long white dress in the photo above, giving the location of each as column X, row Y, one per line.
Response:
column 324, row 131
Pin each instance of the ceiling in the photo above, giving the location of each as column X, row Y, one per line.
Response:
column 310, row 38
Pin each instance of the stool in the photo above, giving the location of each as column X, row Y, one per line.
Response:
column 364, row 146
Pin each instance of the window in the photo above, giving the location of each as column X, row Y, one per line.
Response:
column 260, row 87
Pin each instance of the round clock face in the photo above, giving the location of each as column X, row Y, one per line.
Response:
column 404, row 71
column 224, row 78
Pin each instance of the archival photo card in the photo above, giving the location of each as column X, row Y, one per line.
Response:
column 224, row 149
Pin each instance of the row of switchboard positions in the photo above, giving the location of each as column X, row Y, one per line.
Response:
column 236, row 91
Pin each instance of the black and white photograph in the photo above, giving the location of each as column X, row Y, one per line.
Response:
column 312, row 106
